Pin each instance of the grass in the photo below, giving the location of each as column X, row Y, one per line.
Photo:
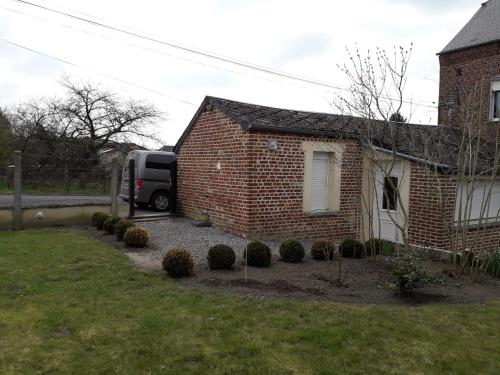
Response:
column 70, row 304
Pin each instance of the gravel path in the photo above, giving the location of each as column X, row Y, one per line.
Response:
column 178, row 231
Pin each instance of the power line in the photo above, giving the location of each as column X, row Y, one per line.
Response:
column 202, row 53
column 96, row 72
column 196, row 51
column 166, row 54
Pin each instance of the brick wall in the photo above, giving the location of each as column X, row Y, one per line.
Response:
column 431, row 214
column 259, row 192
column 277, row 190
column 460, row 73
column 224, row 193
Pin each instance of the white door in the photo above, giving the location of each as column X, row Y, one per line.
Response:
column 319, row 188
column 386, row 205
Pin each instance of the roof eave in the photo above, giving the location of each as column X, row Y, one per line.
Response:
column 443, row 52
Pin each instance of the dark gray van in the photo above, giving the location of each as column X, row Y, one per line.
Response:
column 152, row 178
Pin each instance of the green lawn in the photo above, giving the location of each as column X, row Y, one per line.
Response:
column 69, row 304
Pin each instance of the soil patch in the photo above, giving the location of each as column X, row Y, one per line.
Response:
column 368, row 281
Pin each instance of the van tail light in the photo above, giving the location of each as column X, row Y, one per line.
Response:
column 139, row 184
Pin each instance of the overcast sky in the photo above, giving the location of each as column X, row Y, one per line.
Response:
column 303, row 38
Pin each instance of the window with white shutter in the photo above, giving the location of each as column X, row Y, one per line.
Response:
column 319, row 183
column 322, row 177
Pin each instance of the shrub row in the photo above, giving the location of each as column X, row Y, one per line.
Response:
column 124, row 229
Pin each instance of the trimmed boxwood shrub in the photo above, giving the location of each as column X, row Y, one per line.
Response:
column 95, row 216
column 221, row 257
column 376, row 246
column 136, row 237
column 101, row 219
column 323, row 249
column 121, row 227
column 109, row 224
column 352, row 249
column 178, row 262
column 291, row 251
column 257, row 254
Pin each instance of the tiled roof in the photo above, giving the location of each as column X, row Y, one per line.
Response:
column 483, row 27
column 426, row 144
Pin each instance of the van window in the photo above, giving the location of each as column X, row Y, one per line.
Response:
column 158, row 161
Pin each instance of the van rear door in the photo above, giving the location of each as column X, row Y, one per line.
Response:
column 124, row 188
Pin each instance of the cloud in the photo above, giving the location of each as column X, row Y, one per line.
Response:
column 302, row 38
column 302, row 47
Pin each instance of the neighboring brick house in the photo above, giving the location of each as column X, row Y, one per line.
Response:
column 470, row 66
column 263, row 172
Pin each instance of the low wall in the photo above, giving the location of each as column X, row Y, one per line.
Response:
column 56, row 215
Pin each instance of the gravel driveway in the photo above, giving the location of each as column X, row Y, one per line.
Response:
column 178, row 231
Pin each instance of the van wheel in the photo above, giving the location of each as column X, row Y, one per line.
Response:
column 159, row 201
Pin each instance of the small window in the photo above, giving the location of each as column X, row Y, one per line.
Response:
column 319, row 191
column 390, row 197
column 495, row 99
column 496, row 104
column 155, row 161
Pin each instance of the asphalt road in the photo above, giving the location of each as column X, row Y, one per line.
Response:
column 33, row 200
column 42, row 200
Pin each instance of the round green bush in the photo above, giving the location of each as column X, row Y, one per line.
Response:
column 121, row 227
column 136, row 237
column 291, row 251
column 178, row 262
column 221, row 257
column 109, row 224
column 99, row 223
column 376, row 246
column 94, row 217
column 323, row 250
column 257, row 254
column 352, row 249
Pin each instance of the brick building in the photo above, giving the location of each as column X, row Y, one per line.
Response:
column 263, row 172
column 470, row 69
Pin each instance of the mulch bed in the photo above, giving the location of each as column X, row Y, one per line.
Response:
column 368, row 280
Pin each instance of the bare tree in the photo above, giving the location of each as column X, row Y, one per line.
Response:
column 462, row 166
column 97, row 116
column 377, row 87
column 6, row 138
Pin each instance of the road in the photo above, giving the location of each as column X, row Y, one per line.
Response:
column 42, row 200
column 34, row 200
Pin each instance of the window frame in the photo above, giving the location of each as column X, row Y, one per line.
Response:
column 390, row 201
column 494, row 110
column 335, row 151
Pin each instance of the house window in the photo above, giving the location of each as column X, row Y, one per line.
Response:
column 319, row 183
column 496, row 104
column 495, row 100
column 478, row 202
column 322, row 177
column 390, row 194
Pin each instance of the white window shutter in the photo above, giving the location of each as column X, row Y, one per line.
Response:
column 319, row 184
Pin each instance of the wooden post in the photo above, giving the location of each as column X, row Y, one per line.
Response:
column 18, row 212
column 114, row 187
column 66, row 178
column 131, row 188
